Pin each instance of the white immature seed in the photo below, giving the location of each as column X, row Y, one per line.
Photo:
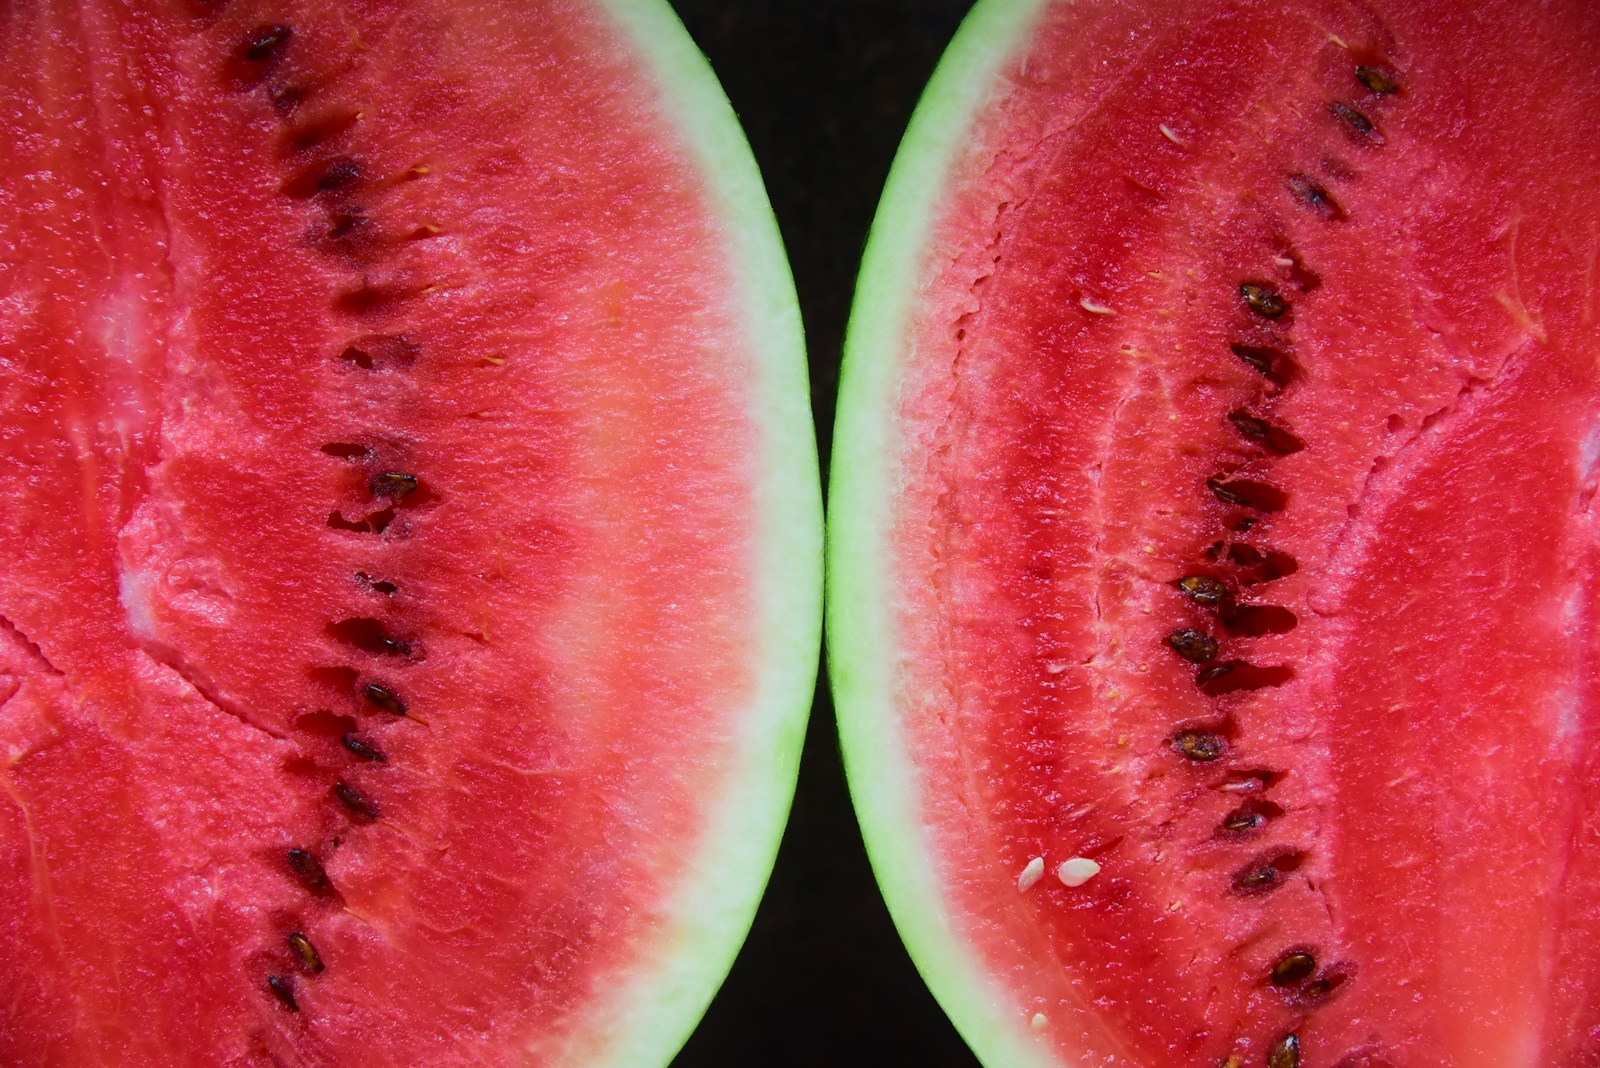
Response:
column 1094, row 307
column 1040, row 1021
column 1077, row 871
column 1032, row 873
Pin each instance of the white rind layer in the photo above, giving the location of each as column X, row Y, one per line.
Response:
column 863, row 646
column 655, row 1007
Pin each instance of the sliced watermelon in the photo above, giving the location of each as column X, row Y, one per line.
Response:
column 411, row 535
column 1214, row 544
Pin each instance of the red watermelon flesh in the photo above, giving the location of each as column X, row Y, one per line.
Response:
column 1236, row 524
column 394, row 459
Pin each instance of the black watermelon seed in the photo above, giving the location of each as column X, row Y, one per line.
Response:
column 356, row 801
column 1195, row 646
column 283, row 990
column 393, row 484
column 382, row 697
column 1322, row 987
column 1215, row 671
column 1263, row 300
column 1380, row 80
column 304, row 952
column 1265, row 874
column 1202, row 746
column 1316, row 196
column 363, row 749
column 265, row 42
column 1203, row 590
column 1293, row 968
column 1285, row 1052
column 1355, row 122
column 309, row 870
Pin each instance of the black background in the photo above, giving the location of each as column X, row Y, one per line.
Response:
column 824, row 89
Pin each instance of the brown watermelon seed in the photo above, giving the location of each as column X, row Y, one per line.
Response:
column 354, row 800
column 1233, row 1061
column 282, row 989
column 1357, row 123
column 1203, row 590
column 370, row 636
column 363, row 750
column 1201, row 746
column 1380, row 80
column 382, row 697
column 309, row 870
column 1293, row 968
column 1263, row 300
column 304, row 952
column 1264, row 875
column 1215, row 671
column 1195, row 646
column 1285, row 1052
column 1316, row 196
column 393, row 484
column 264, row 43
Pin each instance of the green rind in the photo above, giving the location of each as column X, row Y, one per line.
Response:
column 656, row 1009
column 861, row 584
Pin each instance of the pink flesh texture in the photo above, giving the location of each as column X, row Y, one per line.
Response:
column 571, row 578
column 1434, row 752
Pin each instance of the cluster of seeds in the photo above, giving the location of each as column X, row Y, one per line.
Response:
column 1232, row 567
column 329, row 183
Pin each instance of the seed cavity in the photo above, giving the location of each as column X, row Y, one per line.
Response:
column 363, row 750
column 369, row 636
column 1259, row 620
column 1380, row 80
column 359, row 804
column 327, row 176
column 1275, row 364
column 1232, row 676
column 1266, row 874
column 1285, row 1052
column 347, row 450
column 376, row 523
column 1354, row 121
column 380, row 696
column 1274, row 439
column 1293, row 968
column 1201, row 746
column 309, row 870
column 1248, row 493
column 304, row 952
column 1321, row 988
column 1195, row 646
column 380, row 351
column 282, row 988
column 1316, row 196
column 1263, row 300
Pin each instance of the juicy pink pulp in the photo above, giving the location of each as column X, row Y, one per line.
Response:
column 261, row 261
column 1407, row 787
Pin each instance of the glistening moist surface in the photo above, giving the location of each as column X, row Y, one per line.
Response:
column 1297, row 302
column 376, row 512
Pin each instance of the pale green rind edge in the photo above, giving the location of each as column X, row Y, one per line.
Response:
column 712, row 911
column 861, row 583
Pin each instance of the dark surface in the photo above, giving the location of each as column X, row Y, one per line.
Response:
column 824, row 89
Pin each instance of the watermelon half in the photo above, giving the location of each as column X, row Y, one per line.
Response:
column 1214, row 547
column 410, row 533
